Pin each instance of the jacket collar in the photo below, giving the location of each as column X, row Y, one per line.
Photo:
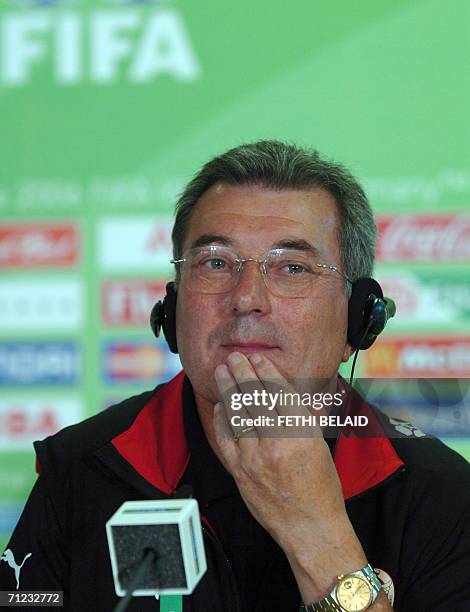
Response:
column 155, row 445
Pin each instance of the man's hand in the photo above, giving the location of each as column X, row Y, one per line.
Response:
column 289, row 484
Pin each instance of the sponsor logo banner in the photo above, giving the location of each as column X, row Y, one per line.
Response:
column 24, row 420
column 421, row 297
column 110, row 401
column 437, row 406
column 17, row 475
column 144, row 361
column 135, row 243
column 9, row 515
column 419, row 357
column 38, row 245
column 130, row 302
column 40, row 305
column 424, row 237
column 39, row 363
column 154, row 43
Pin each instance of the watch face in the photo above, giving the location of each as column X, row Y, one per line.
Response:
column 354, row 594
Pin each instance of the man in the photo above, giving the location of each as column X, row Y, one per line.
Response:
column 267, row 240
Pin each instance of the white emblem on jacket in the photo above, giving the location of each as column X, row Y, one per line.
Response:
column 10, row 559
column 406, row 428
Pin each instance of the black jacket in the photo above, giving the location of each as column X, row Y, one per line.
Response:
column 408, row 499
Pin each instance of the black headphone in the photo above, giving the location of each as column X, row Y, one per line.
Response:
column 368, row 313
column 163, row 316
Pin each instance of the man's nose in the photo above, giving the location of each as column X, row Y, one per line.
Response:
column 250, row 294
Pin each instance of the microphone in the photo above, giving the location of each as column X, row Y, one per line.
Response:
column 390, row 307
column 380, row 311
column 156, row 548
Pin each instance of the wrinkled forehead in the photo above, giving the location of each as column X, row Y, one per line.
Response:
column 254, row 219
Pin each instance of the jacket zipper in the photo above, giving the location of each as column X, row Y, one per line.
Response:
column 392, row 476
column 231, row 573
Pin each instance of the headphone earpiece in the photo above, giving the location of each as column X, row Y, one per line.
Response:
column 163, row 316
column 368, row 313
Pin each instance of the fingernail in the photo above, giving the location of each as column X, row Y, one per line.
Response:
column 256, row 358
column 235, row 358
column 221, row 370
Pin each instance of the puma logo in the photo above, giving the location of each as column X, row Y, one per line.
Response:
column 10, row 559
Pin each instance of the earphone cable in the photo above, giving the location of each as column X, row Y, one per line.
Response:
column 345, row 413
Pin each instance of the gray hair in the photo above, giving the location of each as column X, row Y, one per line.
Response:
column 278, row 165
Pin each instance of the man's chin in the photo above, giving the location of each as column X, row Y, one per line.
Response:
column 204, row 386
column 205, row 398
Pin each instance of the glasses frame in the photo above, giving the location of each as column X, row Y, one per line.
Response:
column 261, row 264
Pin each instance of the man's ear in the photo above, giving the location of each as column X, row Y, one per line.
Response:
column 348, row 351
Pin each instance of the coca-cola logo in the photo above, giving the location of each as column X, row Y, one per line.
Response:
column 424, row 238
column 38, row 245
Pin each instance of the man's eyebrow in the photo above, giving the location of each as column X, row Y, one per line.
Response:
column 298, row 244
column 207, row 239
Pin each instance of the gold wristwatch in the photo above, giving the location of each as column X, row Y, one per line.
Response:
column 353, row 592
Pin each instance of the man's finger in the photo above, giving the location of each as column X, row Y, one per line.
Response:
column 293, row 417
column 253, row 396
column 278, row 387
column 231, row 398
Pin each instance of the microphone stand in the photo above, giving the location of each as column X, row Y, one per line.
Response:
column 150, row 557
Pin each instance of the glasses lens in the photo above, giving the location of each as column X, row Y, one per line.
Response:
column 212, row 269
column 286, row 272
column 291, row 273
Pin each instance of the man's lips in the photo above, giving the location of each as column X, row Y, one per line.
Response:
column 248, row 347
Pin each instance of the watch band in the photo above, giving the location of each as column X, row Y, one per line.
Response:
column 330, row 603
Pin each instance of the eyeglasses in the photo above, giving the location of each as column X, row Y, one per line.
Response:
column 286, row 272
